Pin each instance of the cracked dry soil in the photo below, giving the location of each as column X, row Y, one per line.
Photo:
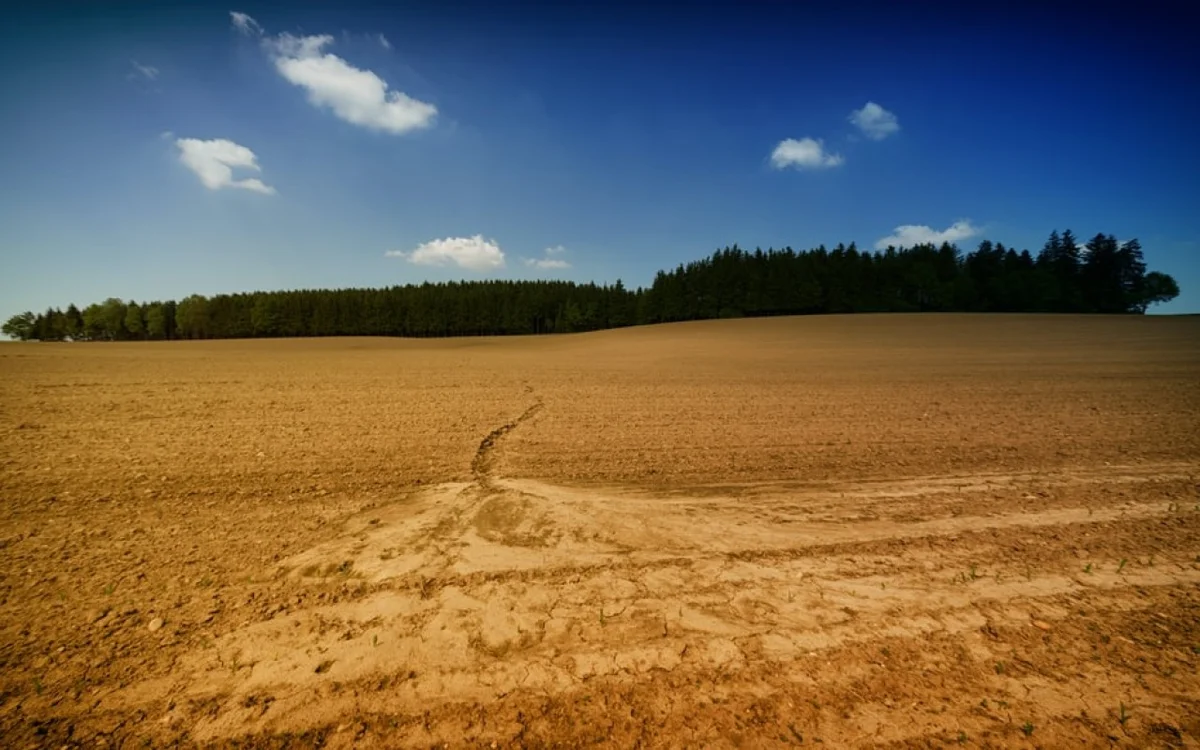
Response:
column 889, row 531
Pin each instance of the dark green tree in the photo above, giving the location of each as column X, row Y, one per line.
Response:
column 1156, row 288
column 73, row 323
column 135, row 322
column 112, row 316
column 20, row 326
column 93, row 322
column 156, row 321
column 191, row 317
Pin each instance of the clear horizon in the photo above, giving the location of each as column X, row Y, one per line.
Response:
column 156, row 152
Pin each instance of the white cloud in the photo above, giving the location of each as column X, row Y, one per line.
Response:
column 145, row 72
column 546, row 263
column 551, row 259
column 213, row 162
column 357, row 96
column 909, row 235
column 806, row 153
column 245, row 24
column 874, row 121
column 472, row 253
column 383, row 42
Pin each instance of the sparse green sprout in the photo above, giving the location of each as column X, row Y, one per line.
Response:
column 962, row 738
column 108, row 589
column 1027, row 728
column 1124, row 715
column 1087, row 568
column 1000, row 668
column 1121, row 565
column 972, row 574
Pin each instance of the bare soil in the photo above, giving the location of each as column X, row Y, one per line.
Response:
column 868, row 531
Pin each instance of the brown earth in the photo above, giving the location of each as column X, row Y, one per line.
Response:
column 864, row 531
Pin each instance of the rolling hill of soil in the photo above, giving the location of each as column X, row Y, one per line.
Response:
column 865, row 531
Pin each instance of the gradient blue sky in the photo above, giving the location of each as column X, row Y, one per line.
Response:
column 632, row 137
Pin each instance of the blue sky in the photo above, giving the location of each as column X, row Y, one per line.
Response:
column 562, row 141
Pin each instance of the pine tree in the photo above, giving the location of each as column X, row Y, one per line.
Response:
column 135, row 324
column 73, row 322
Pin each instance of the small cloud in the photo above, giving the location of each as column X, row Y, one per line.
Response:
column 910, row 235
column 357, row 96
column 551, row 259
column 213, row 162
column 546, row 263
column 383, row 42
column 245, row 24
column 874, row 121
column 806, row 153
column 470, row 253
column 142, row 72
column 167, row 135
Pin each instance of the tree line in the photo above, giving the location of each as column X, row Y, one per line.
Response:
column 1101, row 276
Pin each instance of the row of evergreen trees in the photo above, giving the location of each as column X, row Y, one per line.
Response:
column 1103, row 276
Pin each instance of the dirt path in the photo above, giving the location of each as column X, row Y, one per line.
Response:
column 483, row 466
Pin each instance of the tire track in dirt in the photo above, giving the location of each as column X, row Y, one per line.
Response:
column 553, row 647
column 633, row 645
column 974, row 685
column 625, row 588
column 483, row 466
column 438, row 539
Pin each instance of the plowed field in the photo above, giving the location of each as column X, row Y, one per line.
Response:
column 867, row 531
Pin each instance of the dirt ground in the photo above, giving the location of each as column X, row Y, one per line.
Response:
column 867, row 531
